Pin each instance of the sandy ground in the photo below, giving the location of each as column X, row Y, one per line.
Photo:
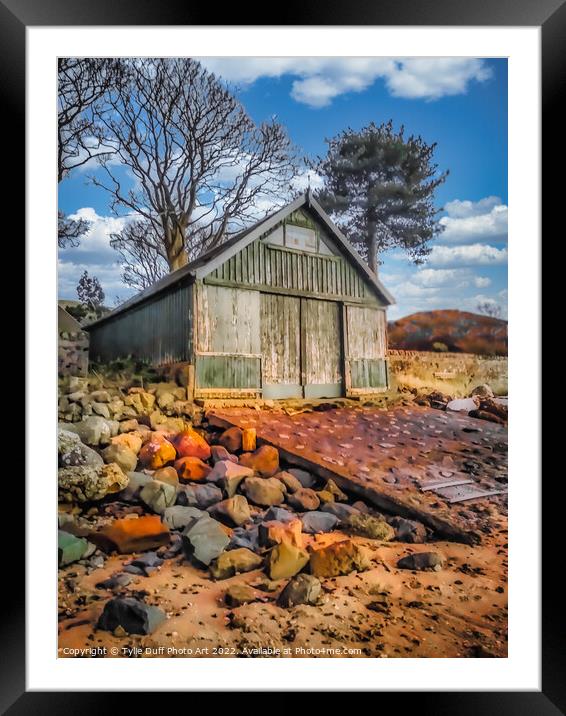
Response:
column 460, row 611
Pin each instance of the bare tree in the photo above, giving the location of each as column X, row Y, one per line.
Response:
column 141, row 254
column 70, row 230
column 199, row 162
column 82, row 84
column 489, row 308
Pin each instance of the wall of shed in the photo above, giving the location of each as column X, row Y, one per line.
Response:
column 157, row 330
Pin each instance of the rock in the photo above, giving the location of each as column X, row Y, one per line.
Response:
column 304, row 499
column 201, row 496
column 496, row 407
column 273, row 533
column 132, row 440
column 249, row 439
column 264, row 461
column 290, row 481
column 279, row 514
column 75, row 397
column 93, row 430
column 231, row 439
column 302, row 589
column 77, row 383
column 157, row 453
column 408, row 530
column 304, row 477
column 233, row 511
column 485, row 415
column 463, row 404
column 334, row 490
column 121, row 455
column 73, row 452
column 100, row 396
column 132, row 535
column 71, row 548
column 260, row 491
column 238, row 594
column 219, row 452
column 190, row 444
column 158, row 495
column 191, row 469
column 101, row 409
column 205, row 540
column 234, row 562
column 228, row 475
column 127, row 426
column 325, row 496
column 338, row 558
column 247, row 537
column 84, row 483
column 483, row 391
column 286, row 560
column 340, row 511
column 168, row 475
column 134, row 616
column 165, row 400
column 116, row 581
column 144, row 565
column 136, row 481
column 178, row 517
column 141, row 402
column 317, row 522
column 369, row 526
column 421, row 561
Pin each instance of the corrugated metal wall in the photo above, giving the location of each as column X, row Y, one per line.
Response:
column 262, row 265
column 157, row 330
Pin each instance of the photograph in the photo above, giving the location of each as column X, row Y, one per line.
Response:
column 282, row 339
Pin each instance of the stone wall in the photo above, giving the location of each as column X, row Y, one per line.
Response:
column 73, row 353
column 454, row 373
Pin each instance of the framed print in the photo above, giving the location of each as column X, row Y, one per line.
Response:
column 295, row 304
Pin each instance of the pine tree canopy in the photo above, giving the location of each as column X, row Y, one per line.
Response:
column 379, row 188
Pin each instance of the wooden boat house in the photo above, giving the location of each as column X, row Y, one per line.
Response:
column 285, row 309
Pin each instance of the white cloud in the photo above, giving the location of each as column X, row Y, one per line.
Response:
column 471, row 255
column 109, row 275
column 468, row 221
column 97, row 238
column 435, row 278
column 321, row 79
column 481, row 281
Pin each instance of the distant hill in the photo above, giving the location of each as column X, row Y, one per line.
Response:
column 448, row 330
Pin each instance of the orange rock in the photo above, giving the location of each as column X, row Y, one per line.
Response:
column 167, row 474
column 338, row 558
column 132, row 535
column 248, row 439
column 231, row 439
column 273, row 532
column 191, row 469
column 157, row 453
column 190, row 444
column 264, row 461
column 133, row 441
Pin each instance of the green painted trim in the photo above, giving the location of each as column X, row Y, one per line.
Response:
column 329, row 390
column 265, row 288
column 368, row 373
column 281, row 391
column 227, row 372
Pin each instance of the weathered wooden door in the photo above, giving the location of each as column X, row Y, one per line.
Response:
column 280, row 320
column 321, row 349
column 366, row 340
column 301, row 347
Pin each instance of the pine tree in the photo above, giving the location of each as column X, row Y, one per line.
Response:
column 379, row 188
column 90, row 292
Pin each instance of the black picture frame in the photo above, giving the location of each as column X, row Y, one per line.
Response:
column 550, row 15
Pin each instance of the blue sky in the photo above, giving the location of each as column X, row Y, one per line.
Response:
column 459, row 103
